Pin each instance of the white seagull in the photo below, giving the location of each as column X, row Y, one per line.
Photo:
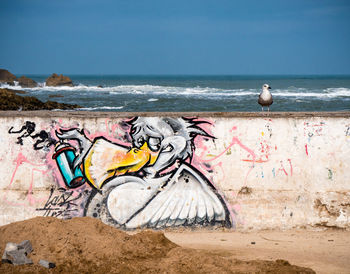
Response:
column 265, row 97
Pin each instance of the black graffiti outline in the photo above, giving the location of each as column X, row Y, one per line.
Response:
column 62, row 204
column 347, row 131
column 29, row 129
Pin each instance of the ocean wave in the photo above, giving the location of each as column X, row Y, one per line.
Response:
column 100, row 108
column 207, row 92
column 139, row 89
column 325, row 93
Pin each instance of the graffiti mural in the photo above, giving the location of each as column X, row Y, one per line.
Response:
column 159, row 172
column 148, row 182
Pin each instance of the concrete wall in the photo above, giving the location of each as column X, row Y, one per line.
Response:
column 240, row 170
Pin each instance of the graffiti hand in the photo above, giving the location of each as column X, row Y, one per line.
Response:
column 78, row 160
column 77, row 135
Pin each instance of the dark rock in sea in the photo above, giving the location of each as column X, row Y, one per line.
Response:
column 58, row 80
column 7, row 77
column 100, row 86
column 55, row 96
column 26, row 82
column 9, row 100
column 17, row 91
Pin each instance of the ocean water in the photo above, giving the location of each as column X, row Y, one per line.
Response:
column 197, row 93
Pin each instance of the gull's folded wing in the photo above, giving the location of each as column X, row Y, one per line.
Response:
column 187, row 198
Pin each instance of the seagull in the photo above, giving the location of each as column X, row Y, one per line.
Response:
column 265, row 97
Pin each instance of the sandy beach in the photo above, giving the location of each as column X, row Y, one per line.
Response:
column 323, row 251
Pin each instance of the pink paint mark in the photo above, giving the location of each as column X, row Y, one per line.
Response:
column 20, row 159
column 306, row 151
column 30, row 196
column 265, row 151
column 291, row 167
column 235, row 140
column 237, row 207
column 282, row 169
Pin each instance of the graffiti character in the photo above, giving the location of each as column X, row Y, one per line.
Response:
column 43, row 138
column 28, row 128
column 150, row 183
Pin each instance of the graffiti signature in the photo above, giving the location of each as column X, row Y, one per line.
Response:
column 62, row 204
column 43, row 139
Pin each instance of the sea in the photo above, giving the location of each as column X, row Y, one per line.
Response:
column 197, row 93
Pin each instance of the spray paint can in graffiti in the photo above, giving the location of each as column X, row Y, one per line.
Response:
column 64, row 156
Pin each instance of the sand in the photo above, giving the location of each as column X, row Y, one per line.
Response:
column 85, row 245
column 325, row 251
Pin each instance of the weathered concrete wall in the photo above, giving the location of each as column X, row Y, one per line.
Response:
column 246, row 171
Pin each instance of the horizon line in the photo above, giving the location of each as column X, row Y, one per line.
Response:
column 173, row 74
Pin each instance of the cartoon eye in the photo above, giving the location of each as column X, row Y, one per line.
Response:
column 154, row 143
column 140, row 141
column 168, row 148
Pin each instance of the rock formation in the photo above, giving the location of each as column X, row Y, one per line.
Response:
column 26, row 82
column 7, row 77
column 58, row 80
column 9, row 100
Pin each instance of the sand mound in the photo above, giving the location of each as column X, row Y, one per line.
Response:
column 89, row 246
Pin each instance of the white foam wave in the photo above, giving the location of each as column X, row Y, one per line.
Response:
column 139, row 89
column 326, row 93
column 152, row 100
column 186, row 91
column 101, row 108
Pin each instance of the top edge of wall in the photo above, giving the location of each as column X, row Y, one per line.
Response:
column 88, row 114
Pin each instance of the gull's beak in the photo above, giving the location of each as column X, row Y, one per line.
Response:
column 269, row 87
column 106, row 160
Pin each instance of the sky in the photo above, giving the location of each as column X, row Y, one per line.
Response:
column 175, row 37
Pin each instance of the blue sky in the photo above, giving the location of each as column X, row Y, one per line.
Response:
column 175, row 37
